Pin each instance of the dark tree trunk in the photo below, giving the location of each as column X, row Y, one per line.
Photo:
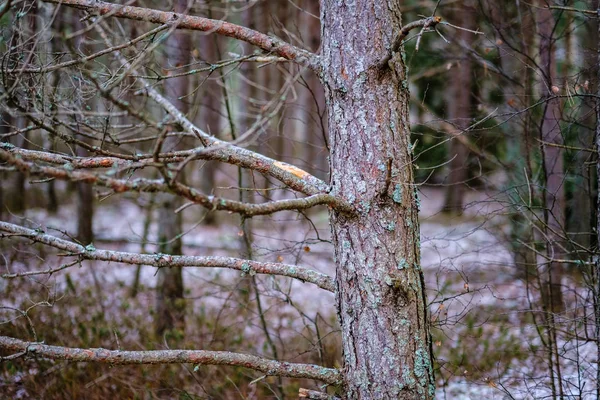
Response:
column 85, row 208
column 170, row 305
column 597, row 255
column 459, row 112
column 554, row 193
column 381, row 298
column 581, row 203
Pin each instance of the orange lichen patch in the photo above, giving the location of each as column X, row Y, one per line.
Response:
column 437, row 19
column 291, row 169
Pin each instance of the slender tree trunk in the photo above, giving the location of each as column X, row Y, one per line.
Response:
column 554, row 195
column 582, row 217
column 85, row 191
column 459, row 112
column 380, row 290
column 4, row 128
column 597, row 254
column 170, row 305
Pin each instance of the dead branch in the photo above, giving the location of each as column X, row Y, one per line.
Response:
column 425, row 23
column 156, row 185
column 268, row 43
column 197, row 357
column 165, row 260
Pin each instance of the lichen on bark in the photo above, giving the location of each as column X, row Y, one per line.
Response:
column 379, row 286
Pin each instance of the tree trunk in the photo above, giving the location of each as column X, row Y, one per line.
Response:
column 597, row 255
column 170, row 306
column 381, row 298
column 581, row 204
column 554, row 194
column 459, row 112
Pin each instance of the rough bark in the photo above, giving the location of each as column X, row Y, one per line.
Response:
column 380, row 289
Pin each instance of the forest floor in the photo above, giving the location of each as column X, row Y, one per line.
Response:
column 485, row 339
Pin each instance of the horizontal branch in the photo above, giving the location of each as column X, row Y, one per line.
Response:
column 197, row 357
column 269, row 167
column 143, row 185
column 267, row 43
column 164, row 260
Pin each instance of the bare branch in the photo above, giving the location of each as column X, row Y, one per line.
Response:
column 154, row 185
column 425, row 23
column 267, row 43
column 292, row 176
column 564, row 8
column 85, row 59
column 198, row 357
column 164, row 260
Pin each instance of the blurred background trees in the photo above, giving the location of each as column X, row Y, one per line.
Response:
column 504, row 131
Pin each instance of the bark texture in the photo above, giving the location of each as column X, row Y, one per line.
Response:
column 380, row 289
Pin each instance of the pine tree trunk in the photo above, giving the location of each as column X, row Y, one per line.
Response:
column 381, row 298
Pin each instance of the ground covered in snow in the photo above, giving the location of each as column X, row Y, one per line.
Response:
column 485, row 339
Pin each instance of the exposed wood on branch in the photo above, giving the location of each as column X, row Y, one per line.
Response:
column 157, row 185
